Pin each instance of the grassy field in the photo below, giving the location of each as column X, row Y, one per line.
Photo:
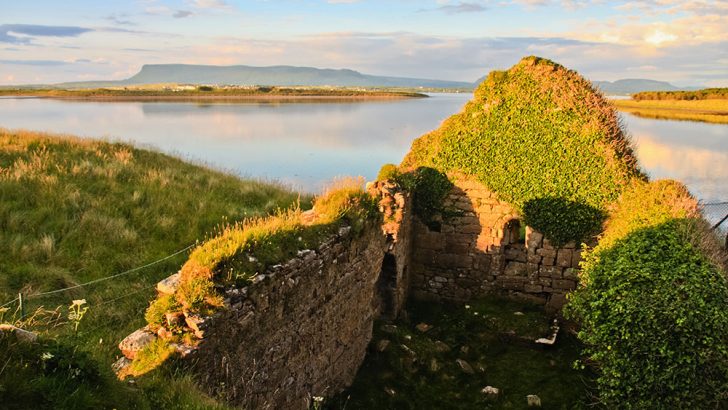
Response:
column 74, row 210
column 707, row 110
column 420, row 370
column 176, row 92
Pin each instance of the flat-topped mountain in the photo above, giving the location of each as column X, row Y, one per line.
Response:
column 286, row 75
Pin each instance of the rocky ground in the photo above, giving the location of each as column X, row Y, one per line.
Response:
column 481, row 355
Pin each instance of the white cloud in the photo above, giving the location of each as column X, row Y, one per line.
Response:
column 210, row 4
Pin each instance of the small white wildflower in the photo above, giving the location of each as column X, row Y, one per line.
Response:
column 475, row 313
column 78, row 302
column 318, row 399
column 467, row 306
column 46, row 356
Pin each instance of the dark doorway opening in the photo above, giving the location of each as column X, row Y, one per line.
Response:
column 387, row 285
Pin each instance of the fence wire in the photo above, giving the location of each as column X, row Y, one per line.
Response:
column 716, row 213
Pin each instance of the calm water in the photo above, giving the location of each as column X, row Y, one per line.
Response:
column 302, row 144
column 307, row 144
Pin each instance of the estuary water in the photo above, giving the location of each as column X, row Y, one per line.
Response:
column 307, row 144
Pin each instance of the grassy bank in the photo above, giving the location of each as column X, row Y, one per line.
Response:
column 493, row 337
column 178, row 92
column 712, row 110
column 73, row 211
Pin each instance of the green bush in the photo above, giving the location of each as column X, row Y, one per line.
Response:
column 562, row 220
column 651, row 305
column 387, row 172
column 535, row 131
column 429, row 187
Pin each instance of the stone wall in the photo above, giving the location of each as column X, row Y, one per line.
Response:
column 300, row 330
column 394, row 282
column 479, row 251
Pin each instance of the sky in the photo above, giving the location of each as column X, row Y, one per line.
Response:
column 50, row 41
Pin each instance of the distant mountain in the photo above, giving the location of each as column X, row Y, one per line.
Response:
column 276, row 76
column 310, row 76
column 629, row 86
column 635, row 85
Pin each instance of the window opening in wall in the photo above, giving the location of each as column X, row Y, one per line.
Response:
column 515, row 232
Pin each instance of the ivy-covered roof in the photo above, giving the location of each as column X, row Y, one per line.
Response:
column 536, row 132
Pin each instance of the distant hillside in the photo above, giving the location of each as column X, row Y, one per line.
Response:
column 635, row 85
column 315, row 77
column 276, row 76
column 629, row 86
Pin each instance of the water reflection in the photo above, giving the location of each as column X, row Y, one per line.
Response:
column 306, row 144
column 692, row 152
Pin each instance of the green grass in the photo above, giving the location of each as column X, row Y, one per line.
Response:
column 74, row 210
column 707, row 110
column 491, row 337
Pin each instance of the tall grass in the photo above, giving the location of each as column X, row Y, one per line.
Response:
column 708, row 110
column 74, row 210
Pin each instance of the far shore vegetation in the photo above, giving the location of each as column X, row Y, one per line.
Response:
column 209, row 92
column 709, row 105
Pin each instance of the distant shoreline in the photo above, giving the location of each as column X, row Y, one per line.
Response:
column 212, row 94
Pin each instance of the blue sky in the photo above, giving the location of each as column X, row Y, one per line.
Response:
column 685, row 42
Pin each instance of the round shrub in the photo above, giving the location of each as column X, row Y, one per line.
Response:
column 651, row 304
column 655, row 322
column 562, row 220
column 429, row 187
column 387, row 172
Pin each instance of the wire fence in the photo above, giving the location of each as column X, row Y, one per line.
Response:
column 21, row 308
column 716, row 213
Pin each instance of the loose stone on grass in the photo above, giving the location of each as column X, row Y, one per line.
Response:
column 21, row 334
column 465, row 366
column 136, row 342
column 533, row 400
column 169, row 285
column 423, row 327
column 491, row 392
column 441, row 347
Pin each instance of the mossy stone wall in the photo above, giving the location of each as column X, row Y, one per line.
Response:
column 301, row 330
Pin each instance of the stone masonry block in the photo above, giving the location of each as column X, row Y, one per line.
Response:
column 563, row 258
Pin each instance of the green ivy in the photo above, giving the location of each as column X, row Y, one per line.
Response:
column 429, row 187
column 562, row 220
column 652, row 304
column 654, row 319
column 536, row 131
